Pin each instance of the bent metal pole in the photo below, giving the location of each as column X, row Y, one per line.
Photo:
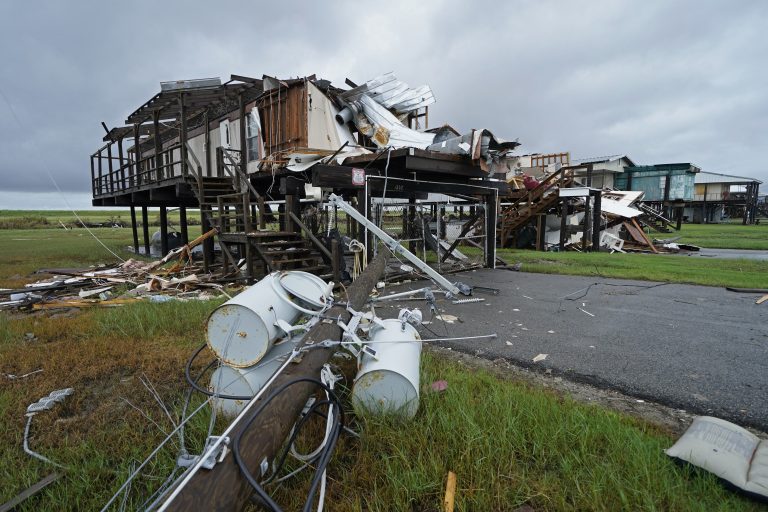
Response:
column 224, row 488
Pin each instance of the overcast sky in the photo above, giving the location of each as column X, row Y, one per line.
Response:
column 661, row 81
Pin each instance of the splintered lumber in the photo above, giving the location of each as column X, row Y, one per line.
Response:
column 761, row 299
column 224, row 487
column 450, row 492
column 29, row 492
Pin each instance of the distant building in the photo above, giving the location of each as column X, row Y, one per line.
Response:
column 718, row 197
column 604, row 169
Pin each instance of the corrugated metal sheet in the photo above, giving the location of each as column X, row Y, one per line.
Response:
column 391, row 93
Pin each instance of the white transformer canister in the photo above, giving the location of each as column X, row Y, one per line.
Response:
column 390, row 385
column 227, row 380
column 241, row 331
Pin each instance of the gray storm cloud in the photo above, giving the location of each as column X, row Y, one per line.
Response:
column 660, row 81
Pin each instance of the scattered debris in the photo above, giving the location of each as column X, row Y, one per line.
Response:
column 727, row 450
column 439, row 386
column 540, row 357
column 15, row 377
column 586, row 312
column 116, row 285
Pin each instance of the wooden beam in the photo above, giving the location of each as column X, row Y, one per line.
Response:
column 135, row 230
column 327, row 256
column 145, row 229
column 29, row 492
column 163, row 230
column 183, row 224
column 224, row 487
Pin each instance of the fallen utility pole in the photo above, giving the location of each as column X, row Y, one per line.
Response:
column 393, row 245
column 224, row 488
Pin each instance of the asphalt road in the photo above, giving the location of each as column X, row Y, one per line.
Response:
column 698, row 348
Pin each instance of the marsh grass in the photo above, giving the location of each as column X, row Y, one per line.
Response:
column 651, row 267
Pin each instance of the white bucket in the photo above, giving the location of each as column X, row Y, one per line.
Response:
column 390, row 385
column 241, row 331
column 227, row 380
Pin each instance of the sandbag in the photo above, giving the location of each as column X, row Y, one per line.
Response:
column 727, row 450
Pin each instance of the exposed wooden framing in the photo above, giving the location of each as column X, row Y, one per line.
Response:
column 596, row 219
column 183, row 224
column 564, row 212
column 93, row 178
column 491, row 206
column 135, row 230
column 243, row 144
column 101, row 179
column 111, row 170
column 208, row 254
column 327, row 255
column 158, row 147
column 163, row 230
column 136, row 154
column 183, row 135
column 224, row 487
column 145, row 229
column 262, row 212
column 464, row 230
column 121, row 158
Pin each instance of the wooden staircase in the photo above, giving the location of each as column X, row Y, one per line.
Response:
column 532, row 203
column 655, row 220
column 226, row 201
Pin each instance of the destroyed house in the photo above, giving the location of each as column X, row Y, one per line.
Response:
column 605, row 169
column 258, row 156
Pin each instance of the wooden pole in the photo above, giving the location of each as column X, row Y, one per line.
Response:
column 596, row 218
column 183, row 224
column 490, row 231
column 224, row 488
column 145, row 229
column 163, row 230
column 135, row 229
column 183, row 136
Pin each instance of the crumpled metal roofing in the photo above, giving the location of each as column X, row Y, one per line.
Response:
column 391, row 93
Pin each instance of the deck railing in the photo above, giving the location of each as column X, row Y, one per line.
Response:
column 112, row 174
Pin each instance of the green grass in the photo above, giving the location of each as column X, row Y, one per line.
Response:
column 724, row 236
column 653, row 267
column 511, row 444
column 25, row 251
column 42, row 219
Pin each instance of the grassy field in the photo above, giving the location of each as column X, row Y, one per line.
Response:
column 44, row 219
column 724, row 236
column 653, row 267
column 509, row 442
column 27, row 250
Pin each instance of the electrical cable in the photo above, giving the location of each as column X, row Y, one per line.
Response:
column 323, row 459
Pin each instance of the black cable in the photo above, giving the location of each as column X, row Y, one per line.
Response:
column 324, row 457
column 196, row 386
column 294, row 434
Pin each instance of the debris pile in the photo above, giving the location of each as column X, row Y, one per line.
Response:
column 115, row 285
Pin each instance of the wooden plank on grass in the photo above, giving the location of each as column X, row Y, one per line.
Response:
column 450, row 492
column 29, row 492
